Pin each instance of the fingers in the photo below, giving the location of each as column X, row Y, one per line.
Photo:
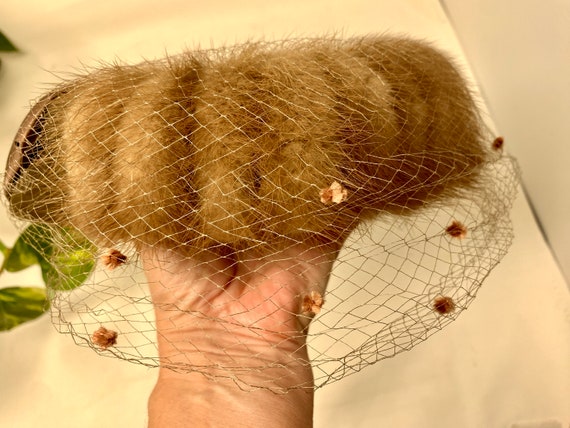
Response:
column 169, row 270
column 275, row 291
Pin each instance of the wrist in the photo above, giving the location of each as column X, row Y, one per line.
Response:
column 194, row 399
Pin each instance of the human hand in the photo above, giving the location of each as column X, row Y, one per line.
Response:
column 235, row 321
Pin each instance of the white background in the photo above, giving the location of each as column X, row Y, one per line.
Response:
column 520, row 53
column 504, row 361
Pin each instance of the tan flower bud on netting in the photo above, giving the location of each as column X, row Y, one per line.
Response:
column 312, row 303
column 334, row 194
column 498, row 143
column 457, row 230
column 104, row 338
column 113, row 258
column 444, row 305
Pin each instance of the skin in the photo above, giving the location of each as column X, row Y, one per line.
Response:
column 250, row 304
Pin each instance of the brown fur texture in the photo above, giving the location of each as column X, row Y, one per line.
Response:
column 233, row 147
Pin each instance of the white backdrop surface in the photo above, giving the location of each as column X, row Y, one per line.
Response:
column 521, row 56
column 505, row 361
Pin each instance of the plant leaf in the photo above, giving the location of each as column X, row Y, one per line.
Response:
column 22, row 255
column 65, row 256
column 71, row 262
column 69, row 269
column 5, row 44
column 21, row 304
column 4, row 249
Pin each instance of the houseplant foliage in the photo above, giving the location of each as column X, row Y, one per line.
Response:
column 59, row 270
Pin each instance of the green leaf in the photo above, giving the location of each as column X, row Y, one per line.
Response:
column 22, row 255
column 21, row 304
column 69, row 269
column 5, row 44
column 4, row 249
column 71, row 261
column 65, row 256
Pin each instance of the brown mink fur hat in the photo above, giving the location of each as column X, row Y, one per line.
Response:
column 298, row 140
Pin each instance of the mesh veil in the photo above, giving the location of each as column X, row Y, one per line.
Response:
column 370, row 151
